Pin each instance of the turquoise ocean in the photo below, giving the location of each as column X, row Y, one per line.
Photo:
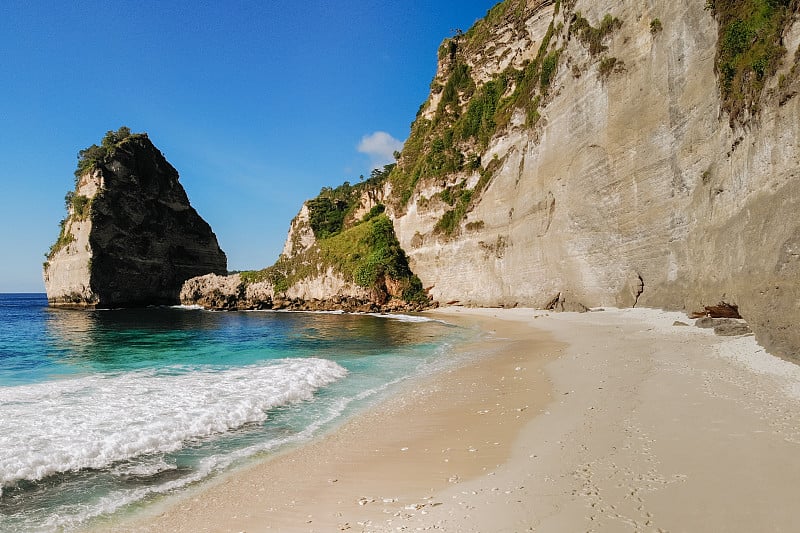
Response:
column 103, row 412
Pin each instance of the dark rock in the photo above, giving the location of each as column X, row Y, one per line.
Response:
column 141, row 239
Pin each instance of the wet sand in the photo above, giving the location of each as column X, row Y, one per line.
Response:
column 605, row 421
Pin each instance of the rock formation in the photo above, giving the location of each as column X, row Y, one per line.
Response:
column 575, row 154
column 340, row 254
column 130, row 237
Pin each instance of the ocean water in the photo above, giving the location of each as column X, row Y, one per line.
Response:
column 102, row 412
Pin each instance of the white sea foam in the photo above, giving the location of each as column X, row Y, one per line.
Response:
column 96, row 421
column 404, row 318
column 193, row 307
column 145, row 467
column 391, row 316
column 78, row 514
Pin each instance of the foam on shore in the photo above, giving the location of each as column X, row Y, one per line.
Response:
column 97, row 421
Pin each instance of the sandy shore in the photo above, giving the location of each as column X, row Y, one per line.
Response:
column 605, row 421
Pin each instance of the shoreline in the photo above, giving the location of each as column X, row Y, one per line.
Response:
column 606, row 421
column 353, row 477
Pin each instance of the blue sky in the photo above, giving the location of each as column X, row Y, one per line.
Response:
column 257, row 104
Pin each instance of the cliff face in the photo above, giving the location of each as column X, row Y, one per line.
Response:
column 632, row 186
column 131, row 238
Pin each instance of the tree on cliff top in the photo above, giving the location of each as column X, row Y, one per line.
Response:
column 328, row 212
column 90, row 157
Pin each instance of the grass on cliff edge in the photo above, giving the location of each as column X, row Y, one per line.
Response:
column 330, row 211
column 468, row 114
column 364, row 253
column 79, row 206
column 93, row 156
column 749, row 49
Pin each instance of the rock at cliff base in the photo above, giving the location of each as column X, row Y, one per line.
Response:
column 732, row 329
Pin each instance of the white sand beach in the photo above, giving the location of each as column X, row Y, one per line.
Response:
column 605, row 421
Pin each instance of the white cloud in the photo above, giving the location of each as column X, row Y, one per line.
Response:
column 380, row 147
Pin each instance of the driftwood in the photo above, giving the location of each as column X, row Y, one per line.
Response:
column 721, row 310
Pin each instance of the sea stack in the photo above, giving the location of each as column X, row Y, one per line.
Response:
column 130, row 237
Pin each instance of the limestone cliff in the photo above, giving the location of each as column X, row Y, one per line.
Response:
column 576, row 153
column 631, row 171
column 130, row 237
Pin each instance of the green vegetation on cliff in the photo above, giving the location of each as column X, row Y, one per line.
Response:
column 468, row 116
column 656, row 26
column 511, row 12
column 78, row 206
column 593, row 37
column 453, row 137
column 363, row 251
column 366, row 253
column 64, row 238
column 329, row 211
column 749, row 49
column 93, row 156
